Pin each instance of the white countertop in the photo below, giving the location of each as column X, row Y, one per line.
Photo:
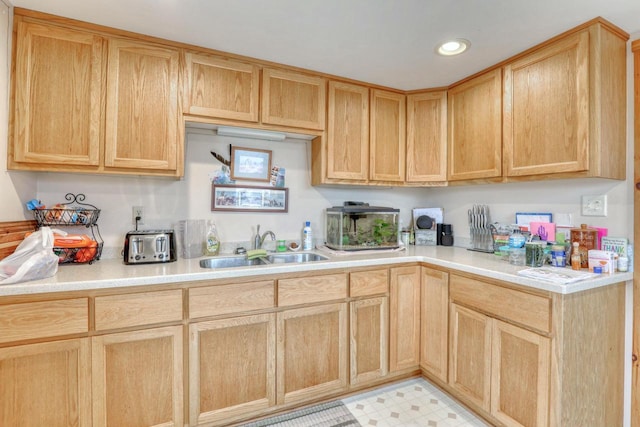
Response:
column 113, row 273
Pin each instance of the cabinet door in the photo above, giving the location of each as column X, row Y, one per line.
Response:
column 369, row 341
column 519, row 376
column 475, row 128
column 57, row 82
column 427, row 137
column 470, row 355
column 546, row 109
column 348, row 132
column 434, row 322
column 142, row 113
column 388, row 136
column 222, row 88
column 292, row 99
column 137, row 378
column 404, row 318
column 232, row 370
column 312, row 352
column 46, row 384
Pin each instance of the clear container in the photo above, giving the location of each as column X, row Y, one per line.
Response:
column 358, row 227
column 517, row 256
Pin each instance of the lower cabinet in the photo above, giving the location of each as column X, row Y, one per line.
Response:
column 502, row 368
column 231, row 368
column 137, row 378
column 368, row 339
column 47, row 384
column 404, row 318
column 434, row 322
column 312, row 352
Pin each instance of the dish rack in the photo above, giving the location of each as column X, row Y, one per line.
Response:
column 73, row 213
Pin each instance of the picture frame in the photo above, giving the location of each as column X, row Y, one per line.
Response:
column 251, row 164
column 242, row 198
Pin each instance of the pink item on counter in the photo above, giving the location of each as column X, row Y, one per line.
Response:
column 546, row 230
column 602, row 232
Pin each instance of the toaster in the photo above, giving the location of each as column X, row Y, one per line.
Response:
column 149, row 246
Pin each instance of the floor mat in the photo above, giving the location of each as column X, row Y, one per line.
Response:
column 331, row 414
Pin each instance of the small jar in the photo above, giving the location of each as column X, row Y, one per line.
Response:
column 576, row 261
column 623, row 264
column 281, row 246
column 558, row 256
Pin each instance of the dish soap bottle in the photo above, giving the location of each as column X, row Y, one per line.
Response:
column 212, row 244
column 307, row 237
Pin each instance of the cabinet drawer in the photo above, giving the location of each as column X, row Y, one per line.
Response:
column 307, row 290
column 364, row 283
column 520, row 307
column 121, row 311
column 43, row 319
column 234, row 298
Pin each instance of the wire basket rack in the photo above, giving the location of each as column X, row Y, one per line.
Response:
column 75, row 212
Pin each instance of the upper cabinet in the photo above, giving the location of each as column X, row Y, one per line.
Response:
column 348, row 132
column 427, row 137
column 143, row 118
column 293, row 99
column 475, row 128
column 57, row 97
column 222, row 88
column 388, row 134
column 564, row 107
column 86, row 102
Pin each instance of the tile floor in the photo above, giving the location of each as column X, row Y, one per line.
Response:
column 414, row 402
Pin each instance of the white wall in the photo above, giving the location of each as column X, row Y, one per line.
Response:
column 14, row 186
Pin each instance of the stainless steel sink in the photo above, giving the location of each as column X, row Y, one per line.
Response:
column 296, row 257
column 242, row 261
column 226, row 262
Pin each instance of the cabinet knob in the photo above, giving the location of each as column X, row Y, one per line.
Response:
column 638, row 185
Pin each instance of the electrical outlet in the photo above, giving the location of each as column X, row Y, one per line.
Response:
column 594, row 205
column 137, row 211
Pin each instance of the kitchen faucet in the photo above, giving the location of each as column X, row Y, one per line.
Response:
column 259, row 240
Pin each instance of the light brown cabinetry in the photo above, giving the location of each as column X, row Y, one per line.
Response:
column 427, row 137
column 475, row 128
column 293, row 99
column 46, row 384
column 309, row 368
column 501, row 367
column 564, row 107
column 232, row 360
column 143, row 118
column 348, row 132
column 57, row 96
column 434, row 322
column 369, row 325
column 232, row 370
column 404, row 318
column 218, row 87
column 137, row 378
column 88, row 102
column 388, row 136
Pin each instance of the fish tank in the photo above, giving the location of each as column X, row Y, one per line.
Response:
column 355, row 227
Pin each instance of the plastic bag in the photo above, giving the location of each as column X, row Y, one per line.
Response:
column 33, row 259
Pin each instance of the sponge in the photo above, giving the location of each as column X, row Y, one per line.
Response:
column 256, row 253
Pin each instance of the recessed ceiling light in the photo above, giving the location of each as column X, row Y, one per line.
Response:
column 452, row 47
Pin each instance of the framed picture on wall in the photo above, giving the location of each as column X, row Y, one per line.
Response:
column 250, row 164
column 239, row 198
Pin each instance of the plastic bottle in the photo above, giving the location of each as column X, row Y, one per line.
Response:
column 576, row 262
column 212, row 244
column 307, row 237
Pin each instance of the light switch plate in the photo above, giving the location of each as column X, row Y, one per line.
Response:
column 594, row 205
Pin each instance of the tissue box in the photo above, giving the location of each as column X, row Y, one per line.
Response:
column 603, row 259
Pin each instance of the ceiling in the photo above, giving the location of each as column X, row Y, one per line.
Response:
column 386, row 42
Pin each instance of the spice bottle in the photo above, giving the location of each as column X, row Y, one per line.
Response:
column 587, row 238
column 576, row 263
